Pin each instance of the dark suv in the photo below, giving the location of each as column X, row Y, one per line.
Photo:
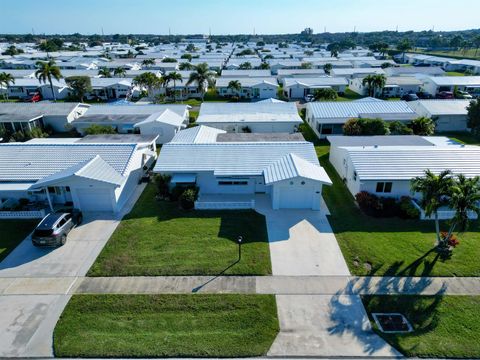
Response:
column 54, row 228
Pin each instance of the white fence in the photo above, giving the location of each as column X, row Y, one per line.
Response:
column 36, row 214
column 446, row 214
column 224, row 205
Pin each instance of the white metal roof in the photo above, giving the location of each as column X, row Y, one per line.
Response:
column 441, row 107
column 405, row 163
column 315, row 81
column 455, row 80
column 32, row 162
column 94, row 169
column 197, row 135
column 211, row 112
column 166, row 117
column 291, row 166
column 246, row 81
column 354, row 109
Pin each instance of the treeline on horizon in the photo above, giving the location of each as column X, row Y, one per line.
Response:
column 423, row 39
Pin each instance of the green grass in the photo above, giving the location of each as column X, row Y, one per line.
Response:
column 158, row 238
column 12, row 232
column 349, row 95
column 454, row 73
column 444, row 326
column 166, row 326
column 392, row 246
column 459, row 54
column 462, row 137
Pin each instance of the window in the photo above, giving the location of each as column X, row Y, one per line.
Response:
column 51, row 190
column 384, row 187
column 233, row 182
column 67, row 188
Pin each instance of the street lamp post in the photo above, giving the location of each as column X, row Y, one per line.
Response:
column 239, row 241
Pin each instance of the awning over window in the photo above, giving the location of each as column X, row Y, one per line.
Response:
column 184, row 178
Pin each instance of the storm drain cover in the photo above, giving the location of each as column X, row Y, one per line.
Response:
column 392, row 323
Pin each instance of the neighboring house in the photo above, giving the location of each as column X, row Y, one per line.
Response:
column 463, row 65
column 435, row 84
column 88, row 174
column 27, row 116
column 298, row 73
column 449, row 115
column 298, row 88
column 328, row 118
column 163, row 121
column 110, row 88
column 227, row 166
column 395, row 86
column 24, row 88
column 259, row 117
column 252, row 87
column 356, row 72
column 415, row 71
column 246, row 73
column 385, row 165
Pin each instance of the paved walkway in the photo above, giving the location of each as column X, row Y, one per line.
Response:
column 302, row 243
column 278, row 285
column 35, row 284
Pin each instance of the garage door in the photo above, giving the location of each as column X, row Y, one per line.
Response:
column 296, row 197
column 94, row 200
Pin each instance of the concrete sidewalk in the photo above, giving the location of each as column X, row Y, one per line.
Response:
column 278, row 285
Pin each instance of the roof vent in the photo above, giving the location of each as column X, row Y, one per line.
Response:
column 375, row 146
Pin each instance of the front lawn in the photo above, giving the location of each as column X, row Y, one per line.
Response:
column 392, row 246
column 158, row 238
column 444, row 326
column 12, row 232
column 166, row 326
column 462, row 137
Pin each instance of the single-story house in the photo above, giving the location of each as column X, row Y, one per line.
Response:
column 449, row 115
column 385, row 165
column 298, row 88
column 227, row 166
column 435, row 84
column 463, row 65
column 27, row 116
column 110, row 88
column 356, row 72
column 298, row 73
column 259, row 117
column 246, row 73
column 251, row 87
column 24, row 88
column 328, row 118
column 89, row 175
column 395, row 86
column 163, row 121
column 415, row 71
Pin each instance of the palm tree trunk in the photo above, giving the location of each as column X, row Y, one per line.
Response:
column 174, row 94
column 51, row 88
column 437, row 229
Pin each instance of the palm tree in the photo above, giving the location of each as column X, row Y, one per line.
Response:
column 422, row 126
column 148, row 80
column 379, row 82
column 434, row 189
column 174, row 76
column 148, row 62
column 403, row 46
column 245, row 66
column 464, row 199
column 369, row 81
column 235, row 86
column 46, row 71
column 6, row 79
column 119, row 72
column 185, row 66
column 203, row 76
column 105, row 72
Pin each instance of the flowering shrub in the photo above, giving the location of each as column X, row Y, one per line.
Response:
column 452, row 241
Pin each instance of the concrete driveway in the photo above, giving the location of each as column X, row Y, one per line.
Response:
column 302, row 243
column 27, row 321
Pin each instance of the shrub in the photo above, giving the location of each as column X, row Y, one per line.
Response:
column 176, row 192
column 96, row 129
column 352, row 128
column 452, row 241
column 369, row 203
column 373, row 127
column 162, row 184
column 407, row 210
column 399, row 128
column 422, row 126
column 187, row 199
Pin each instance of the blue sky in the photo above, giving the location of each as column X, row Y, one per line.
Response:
column 233, row 16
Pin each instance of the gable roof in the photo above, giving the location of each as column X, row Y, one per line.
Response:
column 166, row 117
column 291, row 166
column 94, row 169
column 197, row 135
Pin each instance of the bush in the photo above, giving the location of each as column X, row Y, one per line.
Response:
column 375, row 206
column 187, row 199
column 407, row 210
column 452, row 241
column 399, row 128
column 176, row 192
column 356, row 127
column 162, row 184
column 352, row 128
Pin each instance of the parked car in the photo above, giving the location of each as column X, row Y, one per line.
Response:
column 54, row 228
column 463, row 95
column 36, row 97
column 410, row 97
column 309, row 98
column 424, row 95
column 445, row 95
